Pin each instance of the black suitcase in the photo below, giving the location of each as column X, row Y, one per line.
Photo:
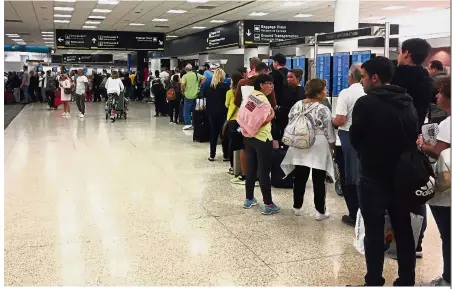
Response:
column 201, row 130
column 277, row 174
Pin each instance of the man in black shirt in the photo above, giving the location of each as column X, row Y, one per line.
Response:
column 279, row 73
column 384, row 125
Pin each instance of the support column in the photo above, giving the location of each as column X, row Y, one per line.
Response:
column 173, row 63
column 346, row 17
column 249, row 53
column 129, row 62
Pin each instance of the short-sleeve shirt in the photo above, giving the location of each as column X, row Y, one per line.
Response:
column 191, row 82
column 346, row 101
column 81, row 85
column 26, row 78
column 444, row 131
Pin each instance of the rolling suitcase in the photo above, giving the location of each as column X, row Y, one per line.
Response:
column 9, row 98
column 57, row 102
column 201, row 130
column 277, row 174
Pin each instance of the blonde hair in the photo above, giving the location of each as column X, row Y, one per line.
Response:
column 218, row 76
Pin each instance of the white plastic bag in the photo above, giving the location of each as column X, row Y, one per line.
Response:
column 390, row 244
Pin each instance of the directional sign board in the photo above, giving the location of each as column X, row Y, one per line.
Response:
column 87, row 58
column 109, row 40
column 223, row 36
column 345, row 34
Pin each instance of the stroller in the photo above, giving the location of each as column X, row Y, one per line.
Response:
column 116, row 106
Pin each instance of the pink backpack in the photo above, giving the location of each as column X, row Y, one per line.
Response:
column 252, row 114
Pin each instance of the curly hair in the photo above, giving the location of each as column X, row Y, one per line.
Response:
column 314, row 87
column 442, row 84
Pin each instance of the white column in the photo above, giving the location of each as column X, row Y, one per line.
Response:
column 249, row 53
column 173, row 62
column 346, row 17
column 203, row 58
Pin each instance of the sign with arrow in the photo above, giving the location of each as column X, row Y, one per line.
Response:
column 109, row 40
column 87, row 58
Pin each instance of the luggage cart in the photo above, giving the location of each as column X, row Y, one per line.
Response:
column 116, row 107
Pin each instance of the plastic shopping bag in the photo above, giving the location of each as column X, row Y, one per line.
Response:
column 390, row 244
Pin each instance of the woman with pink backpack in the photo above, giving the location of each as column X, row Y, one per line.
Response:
column 254, row 117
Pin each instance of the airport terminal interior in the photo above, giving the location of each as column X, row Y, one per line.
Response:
column 133, row 144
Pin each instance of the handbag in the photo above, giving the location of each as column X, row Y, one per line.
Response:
column 224, row 129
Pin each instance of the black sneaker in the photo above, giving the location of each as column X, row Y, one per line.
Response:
column 346, row 219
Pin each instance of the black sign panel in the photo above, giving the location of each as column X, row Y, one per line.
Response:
column 295, row 41
column 87, row 58
column 109, row 40
column 223, row 36
column 264, row 32
column 345, row 34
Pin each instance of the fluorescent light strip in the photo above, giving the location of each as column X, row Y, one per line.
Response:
column 258, row 14
column 47, row 32
column 293, row 4
column 197, row 1
column 303, row 15
column 199, row 27
column 176, row 11
column 217, row 21
column 92, row 22
column 70, row 1
column 391, row 8
column 12, row 35
column 374, row 18
column 424, row 9
column 171, row 36
column 63, row 8
column 108, row 2
column 61, row 21
column 96, row 17
column 136, row 24
column 16, row 40
column 89, row 27
column 101, row 11
column 159, row 20
column 46, row 42
column 51, row 39
column 62, row 15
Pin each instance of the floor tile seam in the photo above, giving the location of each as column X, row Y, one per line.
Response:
column 309, row 259
column 247, row 247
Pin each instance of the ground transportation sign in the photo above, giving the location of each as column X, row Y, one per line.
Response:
column 109, row 40
column 87, row 58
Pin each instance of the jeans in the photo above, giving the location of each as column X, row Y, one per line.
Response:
column 259, row 161
column 351, row 173
column 375, row 197
column 216, row 124
column 301, row 176
column 188, row 108
column 80, row 100
column 43, row 94
column 442, row 219
column 26, row 95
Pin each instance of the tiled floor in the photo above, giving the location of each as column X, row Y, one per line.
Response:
column 88, row 202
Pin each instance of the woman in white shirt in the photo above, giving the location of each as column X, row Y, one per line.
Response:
column 114, row 87
column 66, row 93
column 440, row 203
column 318, row 156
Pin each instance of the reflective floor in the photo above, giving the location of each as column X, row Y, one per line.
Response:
column 88, row 202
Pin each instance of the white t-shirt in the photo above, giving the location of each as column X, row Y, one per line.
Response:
column 81, row 85
column 346, row 101
column 164, row 77
column 114, row 85
column 444, row 131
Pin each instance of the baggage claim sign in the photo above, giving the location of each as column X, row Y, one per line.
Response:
column 109, row 40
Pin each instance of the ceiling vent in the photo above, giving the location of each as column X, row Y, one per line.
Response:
column 161, row 26
column 204, row 7
column 13, row 21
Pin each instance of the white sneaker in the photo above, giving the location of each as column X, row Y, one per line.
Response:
column 187, row 127
column 321, row 217
column 297, row 212
column 64, row 114
column 82, row 115
column 438, row 282
column 171, row 122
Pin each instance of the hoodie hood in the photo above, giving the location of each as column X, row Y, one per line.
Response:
column 392, row 94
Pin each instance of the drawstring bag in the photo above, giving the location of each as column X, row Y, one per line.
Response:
column 300, row 132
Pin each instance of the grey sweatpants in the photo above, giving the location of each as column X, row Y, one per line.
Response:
column 80, row 100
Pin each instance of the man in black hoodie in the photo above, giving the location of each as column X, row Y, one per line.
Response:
column 411, row 75
column 384, row 124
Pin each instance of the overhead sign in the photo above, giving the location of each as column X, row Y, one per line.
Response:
column 223, row 36
column 109, row 40
column 87, row 58
column 290, row 42
column 341, row 35
column 263, row 32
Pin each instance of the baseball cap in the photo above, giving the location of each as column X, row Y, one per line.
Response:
column 280, row 58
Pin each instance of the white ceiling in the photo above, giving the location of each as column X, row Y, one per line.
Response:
column 32, row 17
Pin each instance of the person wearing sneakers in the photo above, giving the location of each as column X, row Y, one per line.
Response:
column 317, row 157
column 191, row 82
column 255, row 118
column 81, row 87
column 66, row 92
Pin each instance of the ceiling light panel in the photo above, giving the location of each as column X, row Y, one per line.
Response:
column 197, row 1
column 108, row 2
column 96, row 17
column 61, row 21
column 374, row 18
column 258, row 14
column 89, row 27
column 12, row 35
column 47, row 32
column 101, row 11
column 199, row 27
column 171, row 36
column 176, row 11
column 392, row 8
column 92, row 22
column 17, row 40
column 67, row 1
column 217, row 21
column 424, row 9
column 62, row 15
column 63, row 8
column 293, row 4
column 303, row 15
column 159, row 20
column 136, row 24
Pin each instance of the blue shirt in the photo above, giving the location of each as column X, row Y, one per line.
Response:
column 228, row 81
column 208, row 75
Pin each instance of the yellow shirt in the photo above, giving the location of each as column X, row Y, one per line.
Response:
column 265, row 132
column 132, row 78
column 230, row 97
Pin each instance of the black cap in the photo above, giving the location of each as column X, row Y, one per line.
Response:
column 280, row 58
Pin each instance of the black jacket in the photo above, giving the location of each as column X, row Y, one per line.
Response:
column 384, row 124
column 280, row 84
column 291, row 96
column 419, row 86
column 216, row 99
